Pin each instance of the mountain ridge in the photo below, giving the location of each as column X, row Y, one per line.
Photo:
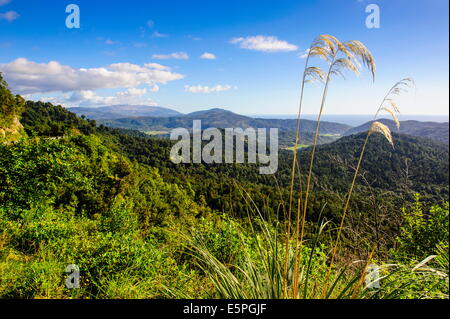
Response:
column 122, row 110
column 433, row 130
column 220, row 118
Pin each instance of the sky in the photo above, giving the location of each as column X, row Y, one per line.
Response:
column 243, row 56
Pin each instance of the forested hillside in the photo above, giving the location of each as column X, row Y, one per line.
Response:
column 10, row 108
column 432, row 130
column 120, row 111
column 138, row 226
column 219, row 118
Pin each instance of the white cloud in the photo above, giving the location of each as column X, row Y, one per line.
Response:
column 132, row 96
column 206, row 89
column 107, row 41
column 157, row 34
column 208, row 56
column 156, row 66
column 150, row 23
column 264, row 43
column 176, row 55
column 110, row 42
column 26, row 76
column 304, row 55
column 9, row 16
column 133, row 92
column 3, row 2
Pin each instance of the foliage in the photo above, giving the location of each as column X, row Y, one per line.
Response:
column 46, row 119
column 138, row 226
column 10, row 108
column 423, row 233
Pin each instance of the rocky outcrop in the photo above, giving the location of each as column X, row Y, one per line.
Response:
column 12, row 133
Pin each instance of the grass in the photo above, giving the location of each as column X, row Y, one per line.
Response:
column 285, row 265
column 299, row 146
column 340, row 57
column 375, row 127
column 259, row 274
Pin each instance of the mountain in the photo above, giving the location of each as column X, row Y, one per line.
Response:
column 220, row 118
column 46, row 119
column 433, row 130
column 120, row 111
column 415, row 163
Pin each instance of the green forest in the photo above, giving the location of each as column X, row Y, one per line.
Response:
column 139, row 226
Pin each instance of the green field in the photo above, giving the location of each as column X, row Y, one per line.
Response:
column 299, row 146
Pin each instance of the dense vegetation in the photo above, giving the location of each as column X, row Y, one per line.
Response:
column 139, row 226
column 10, row 108
column 45, row 119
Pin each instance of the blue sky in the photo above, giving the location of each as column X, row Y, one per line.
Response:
column 153, row 52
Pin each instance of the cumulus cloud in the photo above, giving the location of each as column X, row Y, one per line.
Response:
column 9, row 16
column 88, row 98
column 208, row 56
column 156, row 66
column 207, row 89
column 176, row 55
column 3, row 2
column 26, row 76
column 264, row 43
column 132, row 92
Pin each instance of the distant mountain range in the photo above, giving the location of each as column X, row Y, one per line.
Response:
column 121, row 111
column 432, row 130
column 415, row 163
column 218, row 118
column 160, row 120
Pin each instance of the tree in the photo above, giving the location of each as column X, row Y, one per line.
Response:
column 10, row 106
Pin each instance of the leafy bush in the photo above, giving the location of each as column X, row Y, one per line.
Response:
column 423, row 232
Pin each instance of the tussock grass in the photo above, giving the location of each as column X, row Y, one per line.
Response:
column 285, row 264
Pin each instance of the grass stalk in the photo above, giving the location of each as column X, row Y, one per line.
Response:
column 311, row 163
column 291, row 189
column 393, row 110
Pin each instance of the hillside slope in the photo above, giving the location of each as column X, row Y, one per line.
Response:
column 433, row 130
column 414, row 163
column 120, row 111
column 11, row 106
column 219, row 118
